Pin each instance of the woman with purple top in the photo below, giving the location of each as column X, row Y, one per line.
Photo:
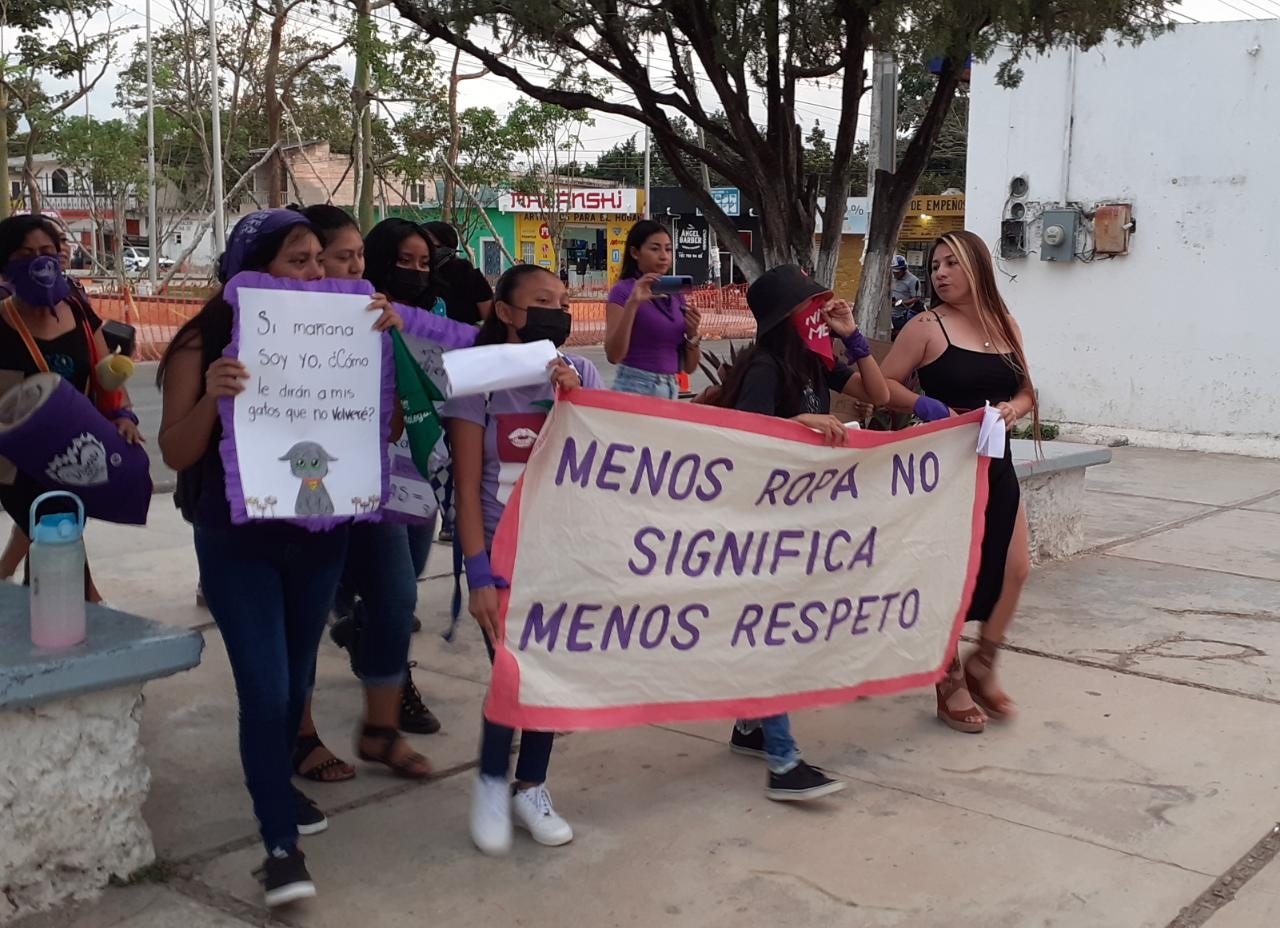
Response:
column 270, row 585
column 651, row 337
column 492, row 439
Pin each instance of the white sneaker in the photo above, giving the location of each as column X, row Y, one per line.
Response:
column 533, row 811
column 491, row 815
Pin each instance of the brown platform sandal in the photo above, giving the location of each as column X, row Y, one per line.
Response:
column 970, row 721
column 996, row 704
column 410, row 766
column 333, row 770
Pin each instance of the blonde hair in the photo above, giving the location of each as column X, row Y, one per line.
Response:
column 993, row 313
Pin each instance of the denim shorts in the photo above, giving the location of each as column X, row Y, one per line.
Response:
column 645, row 383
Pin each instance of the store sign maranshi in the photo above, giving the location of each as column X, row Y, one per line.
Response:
column 615, row 200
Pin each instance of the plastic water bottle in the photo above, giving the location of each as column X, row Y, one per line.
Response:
column 57, row 575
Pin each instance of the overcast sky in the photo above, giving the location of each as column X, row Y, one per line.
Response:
column 817, row 101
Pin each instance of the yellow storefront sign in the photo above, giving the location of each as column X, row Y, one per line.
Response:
column 535, row 244
column 929, row 217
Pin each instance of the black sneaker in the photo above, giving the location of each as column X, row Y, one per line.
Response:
column 800, row 783
column 415, row 717
column 346, row 634
column 311, row 821
column 285, row 878
column 750, row 745
column 446, row 535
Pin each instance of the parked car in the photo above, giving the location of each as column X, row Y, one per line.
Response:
column 138, row 260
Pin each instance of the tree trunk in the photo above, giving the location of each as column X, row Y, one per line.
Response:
column 34, row 205
column 275, row 109
column 364, row 117
column 893, row 193
column 455, row 138
column 5, row 192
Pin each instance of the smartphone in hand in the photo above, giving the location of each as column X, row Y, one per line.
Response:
column 672, row 283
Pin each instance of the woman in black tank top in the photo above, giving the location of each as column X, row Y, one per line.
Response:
column 968, row 352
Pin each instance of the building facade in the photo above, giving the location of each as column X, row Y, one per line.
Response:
column 1134, row 247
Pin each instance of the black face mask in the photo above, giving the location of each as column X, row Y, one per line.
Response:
column 550, row 324
column 442, row 255
column 408, row 285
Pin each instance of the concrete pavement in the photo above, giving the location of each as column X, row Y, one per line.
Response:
column 1140, row 779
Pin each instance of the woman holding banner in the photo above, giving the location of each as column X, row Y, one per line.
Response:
column 48, row 326
column 492, row 439
column 968, row 352
column 790, row 372
column 269, row 585
column 651, row 336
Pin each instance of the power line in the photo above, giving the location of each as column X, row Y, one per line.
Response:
column 1268, row 14
column 1232, row 6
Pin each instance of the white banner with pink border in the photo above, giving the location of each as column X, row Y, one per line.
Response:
column 669, row 561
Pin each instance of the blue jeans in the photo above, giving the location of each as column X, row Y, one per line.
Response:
column 379, row 570
column 269, row 589
column 645, row 383
column 495, row 748
column 779, row 747
column 421, row 538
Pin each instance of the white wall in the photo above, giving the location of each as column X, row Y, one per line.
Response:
column 1178, row 342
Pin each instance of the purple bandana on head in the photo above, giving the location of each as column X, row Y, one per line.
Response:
column 39, row 281
column 248, row 232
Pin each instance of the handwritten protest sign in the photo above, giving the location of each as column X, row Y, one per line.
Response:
column 672, row 561
column 305, row 441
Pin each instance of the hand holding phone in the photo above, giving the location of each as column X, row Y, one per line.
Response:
column 672, row 283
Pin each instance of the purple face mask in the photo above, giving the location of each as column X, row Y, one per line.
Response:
column 38, row 281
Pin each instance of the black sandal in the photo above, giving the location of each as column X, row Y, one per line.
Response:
column 412, row 766
column 333, row 770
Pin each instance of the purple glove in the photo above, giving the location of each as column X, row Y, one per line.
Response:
column 480, row 574
column 856, row 346
column 927, row 409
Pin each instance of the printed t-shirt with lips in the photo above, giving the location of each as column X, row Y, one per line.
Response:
column 512, row 421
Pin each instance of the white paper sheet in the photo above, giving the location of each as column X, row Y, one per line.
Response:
column 497, row 367
column 991, row 434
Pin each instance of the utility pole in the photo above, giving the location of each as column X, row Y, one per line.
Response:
column 364, row 115
column 648, row 146
column 219, row 217
column 881, row 156
column 153, row 243
column 882, row 151
column 713, row 244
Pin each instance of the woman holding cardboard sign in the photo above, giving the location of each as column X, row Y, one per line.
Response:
column 269, row 585
column 651, row 333
column 492, row 437
column 790, row 372
column 968, row 352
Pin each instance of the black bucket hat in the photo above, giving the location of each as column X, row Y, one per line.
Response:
column 779, row 292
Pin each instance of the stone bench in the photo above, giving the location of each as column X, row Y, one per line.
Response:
column 1054, row 494
column 72, row 776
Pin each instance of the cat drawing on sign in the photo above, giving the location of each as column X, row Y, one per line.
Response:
column 309, row 462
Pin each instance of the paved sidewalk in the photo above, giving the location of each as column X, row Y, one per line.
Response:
column 1143, row 767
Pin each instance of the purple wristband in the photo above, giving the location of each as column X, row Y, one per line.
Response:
column 480, row 574
column 124, row 412
column 927, row 409
column 856, row 346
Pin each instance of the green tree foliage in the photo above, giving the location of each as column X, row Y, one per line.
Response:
column 749, row 57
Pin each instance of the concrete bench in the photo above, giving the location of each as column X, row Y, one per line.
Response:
column 72, row 776
column 1054, row 494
